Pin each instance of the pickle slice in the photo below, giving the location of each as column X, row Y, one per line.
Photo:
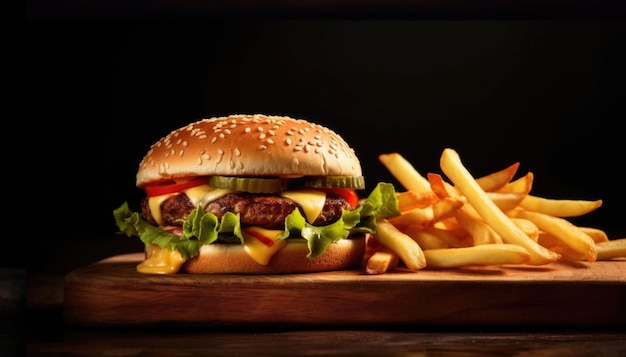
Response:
column 249, row 184
column 355, row 182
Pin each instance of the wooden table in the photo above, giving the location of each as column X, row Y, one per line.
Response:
column 48, row 334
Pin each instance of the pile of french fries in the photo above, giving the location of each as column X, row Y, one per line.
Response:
column 490, row 220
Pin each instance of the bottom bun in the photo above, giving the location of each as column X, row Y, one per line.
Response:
column 232, row 259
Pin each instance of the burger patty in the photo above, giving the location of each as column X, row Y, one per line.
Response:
column 266, row 211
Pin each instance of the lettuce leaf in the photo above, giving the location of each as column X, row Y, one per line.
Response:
column 205, row 228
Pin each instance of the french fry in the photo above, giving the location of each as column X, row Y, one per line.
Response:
column 417, row 216
column 596, row 234
column 522, row 185
column 506, row 201
column 426, row 239
column 454, row 238
column 371, row 247
column 528, row 227
column 498, row 179
column 480, row 231
column 453, row 168
column 567, row 254
column 404, row 172
column 451, row 225
column 446, row 208
column 467, row 217
column 611, row 249
column 381, row 261
column 559, row 208
column 440, row 187
column 408, row 200
column 548, row 240
column 486, row 254
column 560, row 228
column 404, row 246
column 607, row 250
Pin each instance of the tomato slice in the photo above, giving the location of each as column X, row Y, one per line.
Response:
column 175, row 230
column 348, row 194
column 173, row 187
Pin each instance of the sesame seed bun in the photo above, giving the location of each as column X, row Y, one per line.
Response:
column 232, row 259
column 248, row 145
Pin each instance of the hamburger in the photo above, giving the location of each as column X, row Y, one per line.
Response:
column 253, row 194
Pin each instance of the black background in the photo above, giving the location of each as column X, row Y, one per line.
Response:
column 545, row 93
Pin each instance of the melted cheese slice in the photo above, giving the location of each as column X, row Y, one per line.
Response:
column 199, row 195
column 155, row 206
column 311, row 201
column 202, row 195
column 259, row 251
column 161, row 261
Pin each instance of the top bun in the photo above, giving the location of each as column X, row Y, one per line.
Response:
column 248, row 145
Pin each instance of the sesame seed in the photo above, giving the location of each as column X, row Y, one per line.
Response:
column 185, row 143
column 222, row 136
column 220, row 152
column 213, row 140
column 269, row 141
column 181, row 153
column 262, row 136
column 272, row 132
column 262, row 147
column 227, row 131
column 237, row 152
column 247, row 130
column 288, row 141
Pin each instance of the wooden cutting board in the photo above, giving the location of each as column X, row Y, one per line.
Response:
column 113, row 293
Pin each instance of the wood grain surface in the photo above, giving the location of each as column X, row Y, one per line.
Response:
column 112, row 292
